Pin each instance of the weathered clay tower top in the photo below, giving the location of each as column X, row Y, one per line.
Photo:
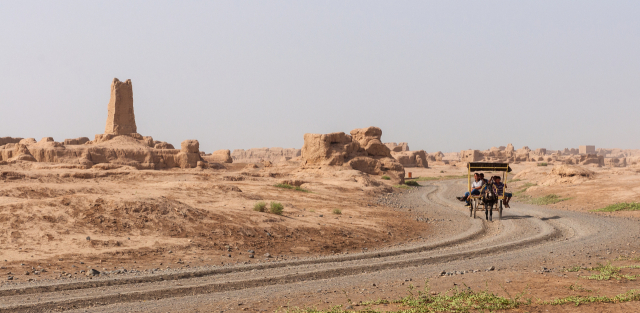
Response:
column 121, row 119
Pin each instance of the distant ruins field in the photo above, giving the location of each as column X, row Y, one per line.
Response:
column 127, row 206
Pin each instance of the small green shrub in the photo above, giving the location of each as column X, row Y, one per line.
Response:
column 625, row 206
column 385, row 177
column 412, row 183
column 337, row 211
column 276, row 208
column 543, row 164
column 260, row 206
column 287, row 186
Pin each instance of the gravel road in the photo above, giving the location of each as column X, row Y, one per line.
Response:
column 527, row 236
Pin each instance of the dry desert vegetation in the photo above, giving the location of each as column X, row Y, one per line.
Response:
column 128, row 223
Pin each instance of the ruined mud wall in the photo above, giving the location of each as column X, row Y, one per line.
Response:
column 256, row 155
column 6, row 140
column 362, row 150
column 220, row 156
column 120, row 150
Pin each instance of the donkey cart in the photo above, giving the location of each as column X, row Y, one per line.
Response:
column 488, row 200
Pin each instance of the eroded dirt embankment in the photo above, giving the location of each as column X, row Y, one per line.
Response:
column 60, row 224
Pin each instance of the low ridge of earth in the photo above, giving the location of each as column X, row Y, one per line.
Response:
column 532, row 249
column 126, row 222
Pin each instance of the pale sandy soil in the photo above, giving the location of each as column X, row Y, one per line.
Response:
column 526, row 284
column 202, row 216
column 179, row 219
column 607, row 186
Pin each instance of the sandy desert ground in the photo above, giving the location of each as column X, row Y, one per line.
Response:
column 126, row 223
column 191, row 236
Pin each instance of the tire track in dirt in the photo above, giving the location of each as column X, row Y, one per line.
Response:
column 467, row 245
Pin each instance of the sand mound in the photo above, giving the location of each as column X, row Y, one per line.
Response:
column 565, row 170
column 567, row 174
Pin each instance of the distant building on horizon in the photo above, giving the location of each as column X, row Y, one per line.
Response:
column 587, row 149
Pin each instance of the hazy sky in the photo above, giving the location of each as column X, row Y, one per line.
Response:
column 445, row 75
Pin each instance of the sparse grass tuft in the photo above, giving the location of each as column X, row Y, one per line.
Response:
column 287, row 186
column 609, row 271
column 625, row 206
column 548, row 199
column 276, row 208
column 260, row 206
column 467, row 300
column 461, row 300
column 337, row 211
column 627, row 258
column 412, row 183
column 543, row 164
column 385, row 177
column 576, row 268
column 402, row 186
column 520, row 193
column 514, row 180
column 453, row 300
column 631, row 295
column 577, row 287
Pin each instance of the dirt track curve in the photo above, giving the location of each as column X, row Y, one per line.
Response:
column 525, row 235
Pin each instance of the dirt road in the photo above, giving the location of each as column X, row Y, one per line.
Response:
column 527, row 237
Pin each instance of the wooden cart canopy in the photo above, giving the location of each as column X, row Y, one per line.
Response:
column 490, row 167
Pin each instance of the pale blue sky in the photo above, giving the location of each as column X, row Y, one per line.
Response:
column 445, row 75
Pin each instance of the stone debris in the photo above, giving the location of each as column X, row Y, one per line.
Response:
column 93, row 272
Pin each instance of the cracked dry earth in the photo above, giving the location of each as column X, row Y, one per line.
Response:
column 527, row 250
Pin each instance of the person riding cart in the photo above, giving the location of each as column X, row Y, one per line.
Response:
column 491, row 195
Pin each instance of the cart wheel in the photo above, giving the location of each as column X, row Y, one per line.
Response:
column 500, row 210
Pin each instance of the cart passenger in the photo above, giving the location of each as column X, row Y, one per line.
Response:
column 475, row 189
column 500, row 189
column 483, row 179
